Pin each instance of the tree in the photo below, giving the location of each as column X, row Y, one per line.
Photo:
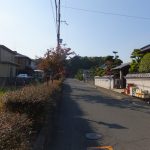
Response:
column 111, row 62
column 97, row 71
column 54, row 60
column 73, row 65
column 80, row 63
column 136, row 57
column 79, row 75
column 145, row 64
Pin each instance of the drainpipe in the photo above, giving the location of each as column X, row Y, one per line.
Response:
column 120, row 78
column 110, row 81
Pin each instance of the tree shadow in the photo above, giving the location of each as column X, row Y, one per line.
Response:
column 112, row 125
column 106, row 98
column 109, row 125
column 70, row 123
column 69, row 129
column 109, row 98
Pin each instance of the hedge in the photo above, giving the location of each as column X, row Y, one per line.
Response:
column 24, row 114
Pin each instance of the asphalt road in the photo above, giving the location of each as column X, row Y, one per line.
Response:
column 85, row 109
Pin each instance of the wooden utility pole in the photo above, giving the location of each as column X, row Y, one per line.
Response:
column 58, row 25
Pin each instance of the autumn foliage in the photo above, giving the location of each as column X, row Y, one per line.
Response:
column 54, row 60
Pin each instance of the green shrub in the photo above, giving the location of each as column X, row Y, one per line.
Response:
column 145, row 64
column 2, row 91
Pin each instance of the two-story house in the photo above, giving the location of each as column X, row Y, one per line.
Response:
column 7, row 64
column 24, row 64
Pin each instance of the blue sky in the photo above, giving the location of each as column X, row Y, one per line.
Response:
column 28, row 26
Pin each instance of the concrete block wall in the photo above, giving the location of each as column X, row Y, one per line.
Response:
column 105, row 82
column 141, row 83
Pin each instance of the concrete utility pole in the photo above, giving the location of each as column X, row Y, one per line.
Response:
column 58, row 25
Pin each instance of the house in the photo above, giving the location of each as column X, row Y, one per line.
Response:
column 117, row 80
column 7, row 65
column 120, row 72
column 33, row 64
column 24, row 64
column 140, row 81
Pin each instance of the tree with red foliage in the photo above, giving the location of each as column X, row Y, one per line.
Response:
column 54, row 61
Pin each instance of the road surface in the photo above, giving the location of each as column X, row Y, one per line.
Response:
column 85, row 109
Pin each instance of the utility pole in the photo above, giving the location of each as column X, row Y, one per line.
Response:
column 58, row 25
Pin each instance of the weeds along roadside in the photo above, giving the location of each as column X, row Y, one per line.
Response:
column 24, row 112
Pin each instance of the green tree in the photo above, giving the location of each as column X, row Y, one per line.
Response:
column 136, row 57
column 79, row 75
column 93, row 64
column 77, row 62
column 145, row 64
column 96, row 71
column 111, row 62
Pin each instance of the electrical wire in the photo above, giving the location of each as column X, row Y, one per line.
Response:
column 55, row 24
column 107, row 13
column 56, row 9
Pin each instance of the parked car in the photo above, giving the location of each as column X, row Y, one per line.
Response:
column 22, row 76
column 22, row 79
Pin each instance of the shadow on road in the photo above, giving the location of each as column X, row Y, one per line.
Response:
column 70, row 129
column 107, row 97
column 72, row 123
column 109, row 125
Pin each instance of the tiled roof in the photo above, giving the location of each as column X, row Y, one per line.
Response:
column 138, row 75
column 145, row 48
column 121, row 66
column 21, row 56
column 6, row 48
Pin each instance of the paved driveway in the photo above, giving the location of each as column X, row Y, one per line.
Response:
column 84, row 109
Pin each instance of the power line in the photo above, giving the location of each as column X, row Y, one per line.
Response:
column 56, row 9
column 107, row 13
column 53, row 15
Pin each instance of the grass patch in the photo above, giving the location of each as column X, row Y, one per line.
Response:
column 7, row 89
column 2, row 91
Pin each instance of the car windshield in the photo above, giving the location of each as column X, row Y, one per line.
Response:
column 22, row 75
